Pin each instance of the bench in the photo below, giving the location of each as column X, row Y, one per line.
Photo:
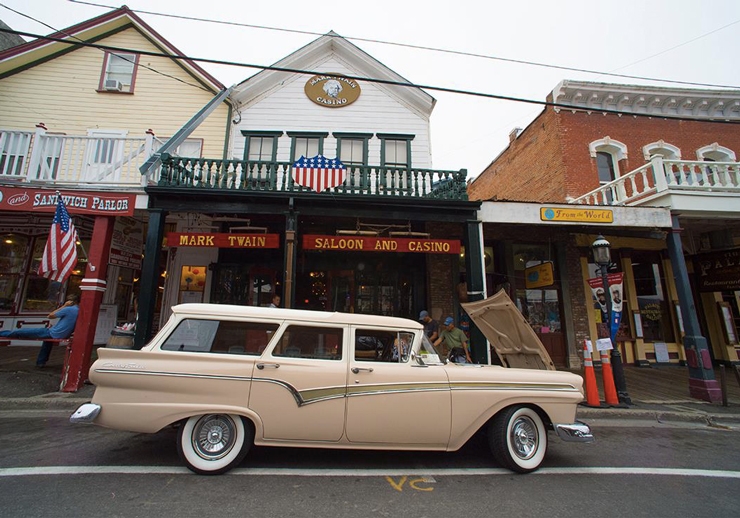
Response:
column 5, row 340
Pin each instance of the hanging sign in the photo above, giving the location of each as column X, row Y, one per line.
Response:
column 380, row 244
column 539, row 276
column 332, row 90
column 222, row 240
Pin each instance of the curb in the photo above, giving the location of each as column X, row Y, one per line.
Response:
column 659, row 416
column 57, row 401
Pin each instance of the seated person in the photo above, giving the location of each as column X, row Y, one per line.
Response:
column 67, row 315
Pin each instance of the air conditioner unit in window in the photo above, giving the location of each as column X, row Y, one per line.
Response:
column 112, row 84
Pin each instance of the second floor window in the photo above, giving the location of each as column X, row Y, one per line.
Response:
column 395, row 151
column 306, row 144
column 605, row 164
column 261, row 146
column 119, row 72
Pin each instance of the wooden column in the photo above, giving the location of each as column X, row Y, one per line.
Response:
column 77, row 363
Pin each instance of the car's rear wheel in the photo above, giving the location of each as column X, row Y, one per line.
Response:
column 518, row 439
column 212, row 444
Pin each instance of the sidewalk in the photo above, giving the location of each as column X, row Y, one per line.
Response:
column 658, row 393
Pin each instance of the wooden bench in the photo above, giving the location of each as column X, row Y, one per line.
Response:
column 5, row 340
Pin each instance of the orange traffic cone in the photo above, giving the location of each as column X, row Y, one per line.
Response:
column 592, row 390
column 610, row 390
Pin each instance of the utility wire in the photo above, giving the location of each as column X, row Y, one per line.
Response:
column 366, row 79
column 441, row 50
column 121, row 57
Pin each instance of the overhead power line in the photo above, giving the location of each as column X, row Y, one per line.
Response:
column 441, row 50
column 110, row 48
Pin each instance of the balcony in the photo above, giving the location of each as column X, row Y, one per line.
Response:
column 65, row 161
column 682, row 185
column 262, row 177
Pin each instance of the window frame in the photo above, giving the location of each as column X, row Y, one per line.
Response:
column 295, row 135
column 387, row 137
column 363, row 137
column 105, row 72
column 274, row 135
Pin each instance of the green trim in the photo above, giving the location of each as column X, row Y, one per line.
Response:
column 258, row 133
column 307, row 135
column 227, row 131
column 340, row 134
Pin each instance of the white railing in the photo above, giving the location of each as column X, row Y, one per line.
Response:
column 660, row 176
column 46, row 158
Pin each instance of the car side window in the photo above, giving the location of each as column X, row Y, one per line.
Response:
column 372, row 345
column 225, row 337
column 323, row 343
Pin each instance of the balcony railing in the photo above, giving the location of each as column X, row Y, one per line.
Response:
column 661, row 176
column 247, row 176
column 62, row 160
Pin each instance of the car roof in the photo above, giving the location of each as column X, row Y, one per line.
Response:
column 233, row 311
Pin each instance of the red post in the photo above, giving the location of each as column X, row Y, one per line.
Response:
column 77, row 363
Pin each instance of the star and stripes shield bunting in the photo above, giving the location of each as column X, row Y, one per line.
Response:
column 60, row 253
column 319, row 173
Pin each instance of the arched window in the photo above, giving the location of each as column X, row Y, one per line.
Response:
column 662, row 148
column 715, row 153
column 607, row 152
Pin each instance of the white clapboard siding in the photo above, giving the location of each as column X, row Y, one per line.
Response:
column 286, row 108
column 62, row 93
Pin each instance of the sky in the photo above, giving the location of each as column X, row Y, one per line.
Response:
column 694, row 41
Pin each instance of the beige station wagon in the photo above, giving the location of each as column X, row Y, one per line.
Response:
column 233, row 376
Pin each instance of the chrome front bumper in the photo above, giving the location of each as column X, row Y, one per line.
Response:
column 85, row 414
column 576, row 432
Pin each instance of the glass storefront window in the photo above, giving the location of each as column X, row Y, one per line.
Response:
column 540, row 306
column 652, row 299
column 12, row 257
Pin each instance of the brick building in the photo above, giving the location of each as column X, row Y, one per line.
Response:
column 612, row 146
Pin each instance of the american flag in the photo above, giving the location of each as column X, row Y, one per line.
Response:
column 60, row 254
column 319, row 173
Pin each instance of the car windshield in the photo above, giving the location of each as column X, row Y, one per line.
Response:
column 427, row 354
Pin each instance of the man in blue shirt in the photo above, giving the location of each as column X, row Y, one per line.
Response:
column 67, row 315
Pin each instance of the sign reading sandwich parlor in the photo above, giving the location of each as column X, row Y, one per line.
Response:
column 332, row 90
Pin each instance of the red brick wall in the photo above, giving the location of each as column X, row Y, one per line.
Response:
column 530, row 169
column 550, row 160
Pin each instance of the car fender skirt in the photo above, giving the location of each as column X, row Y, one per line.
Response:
column 575, row 432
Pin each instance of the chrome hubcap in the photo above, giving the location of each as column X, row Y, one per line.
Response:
column 213, row 436
column 523, row 437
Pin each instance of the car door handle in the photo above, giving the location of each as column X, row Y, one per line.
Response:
column 261, row 366
column 358, row 369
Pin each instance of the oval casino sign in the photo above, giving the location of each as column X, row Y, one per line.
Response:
column 332, row 90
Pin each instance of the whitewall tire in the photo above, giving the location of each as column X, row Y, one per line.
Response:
column 518, row 439
column 212, row 444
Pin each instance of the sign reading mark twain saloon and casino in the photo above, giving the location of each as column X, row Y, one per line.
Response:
column 77, row 202
column 332, row 90
column 221, row 240
column 380, row 244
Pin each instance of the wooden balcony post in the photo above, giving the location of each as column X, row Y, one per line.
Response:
column 37, row 148
column 659, row 173
column 148, row 152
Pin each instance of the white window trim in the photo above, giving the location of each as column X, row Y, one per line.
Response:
column 654, row 147
column 616, row 149
column 702, row 153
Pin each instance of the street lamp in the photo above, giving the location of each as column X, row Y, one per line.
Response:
column 602, row 256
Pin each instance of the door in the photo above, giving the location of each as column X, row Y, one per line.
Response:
column 392, row 399
column 299, row 386
column 104, row 155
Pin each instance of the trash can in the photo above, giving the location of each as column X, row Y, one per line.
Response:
column 120, row 339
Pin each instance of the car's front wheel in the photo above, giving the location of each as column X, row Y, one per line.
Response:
column 518, row 439
column 214, row 443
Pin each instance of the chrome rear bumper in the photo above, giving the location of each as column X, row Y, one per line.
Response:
column 85, row 414
column 576, row 432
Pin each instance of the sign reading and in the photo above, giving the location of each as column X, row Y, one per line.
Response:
column 380, row 244
column 221, row 240
column 41, row 200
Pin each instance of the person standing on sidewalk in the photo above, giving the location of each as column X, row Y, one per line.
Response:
column 67, row 315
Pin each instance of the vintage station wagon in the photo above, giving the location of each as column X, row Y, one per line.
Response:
column 233, row 376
